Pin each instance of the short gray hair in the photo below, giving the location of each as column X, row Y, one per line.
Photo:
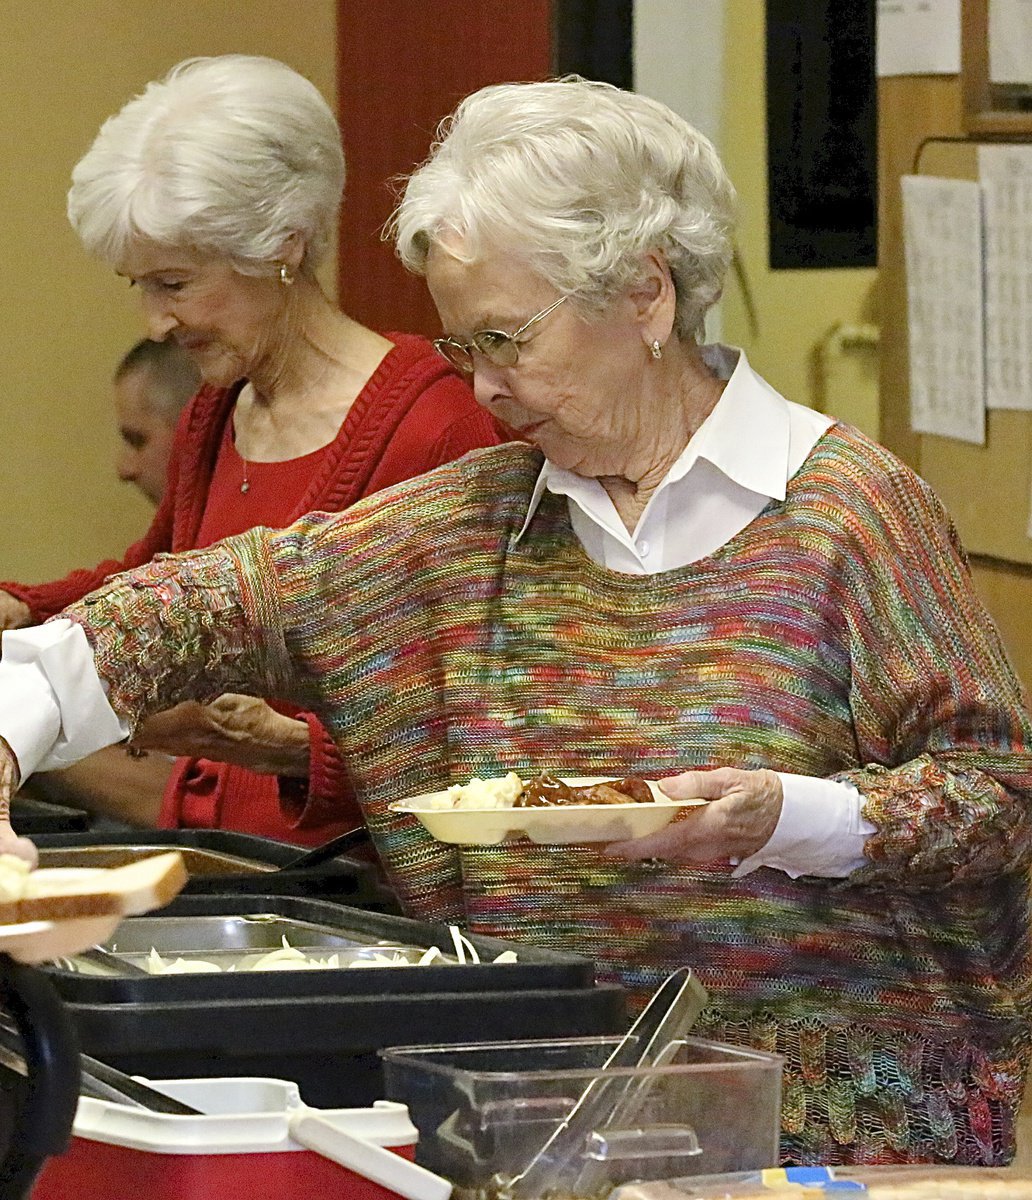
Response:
column 580, row 180
column 172, row 375
column 227, row 156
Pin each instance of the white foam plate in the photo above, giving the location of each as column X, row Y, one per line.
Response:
column 565, row 825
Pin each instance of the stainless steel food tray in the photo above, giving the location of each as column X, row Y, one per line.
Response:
column 204, row 926
column 197, row 862
column 239, row 941
column 226, row 960
column 244, row 931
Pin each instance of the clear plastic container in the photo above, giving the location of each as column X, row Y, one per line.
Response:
column 485, row 1110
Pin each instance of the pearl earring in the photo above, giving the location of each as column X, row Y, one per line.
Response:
column 656, row 348
column 285, row 276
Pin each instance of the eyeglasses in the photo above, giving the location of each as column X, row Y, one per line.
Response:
column 502, row 349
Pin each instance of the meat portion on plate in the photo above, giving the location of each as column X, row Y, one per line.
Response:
column 546, row 791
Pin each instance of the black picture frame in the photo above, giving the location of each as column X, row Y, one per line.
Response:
column 595, row 38
column 822, row 133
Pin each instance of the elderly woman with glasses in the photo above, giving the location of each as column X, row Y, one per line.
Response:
column 675, row 573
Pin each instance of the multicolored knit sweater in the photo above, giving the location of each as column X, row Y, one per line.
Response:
column 837, row 635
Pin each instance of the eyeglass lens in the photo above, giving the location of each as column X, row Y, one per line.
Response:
column 499, row 348
column 457, row 355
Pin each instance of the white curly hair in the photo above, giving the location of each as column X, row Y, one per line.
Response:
column 580, row 180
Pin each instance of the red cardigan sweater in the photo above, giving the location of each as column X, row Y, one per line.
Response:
column 413, row 415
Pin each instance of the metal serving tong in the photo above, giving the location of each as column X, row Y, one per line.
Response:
column 107, row 1083
column 607, row 1100
column 331, row 849
column 95, row 1078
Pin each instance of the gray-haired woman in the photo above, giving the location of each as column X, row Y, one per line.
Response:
column 675, row 573
column 216, row 194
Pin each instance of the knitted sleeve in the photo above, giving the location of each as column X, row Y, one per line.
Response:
column 326, row 795
column 265, row 613
column 189, row 627
column 332, row 573
column 940, row 718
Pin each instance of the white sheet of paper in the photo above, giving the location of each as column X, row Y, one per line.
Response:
column 918, row 37
column 942, row 238
column 1010, row 41
column 1006, row 175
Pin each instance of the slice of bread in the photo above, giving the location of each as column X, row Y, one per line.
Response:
column 60, row 894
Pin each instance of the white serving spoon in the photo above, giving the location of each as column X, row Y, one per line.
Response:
column 313, row 1131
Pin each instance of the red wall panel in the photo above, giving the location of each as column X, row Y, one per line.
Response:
column 402, row 66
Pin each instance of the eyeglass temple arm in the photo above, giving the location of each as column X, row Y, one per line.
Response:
column 537, row 317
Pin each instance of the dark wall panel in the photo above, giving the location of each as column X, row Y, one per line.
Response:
column 595, row 38
column 821, row 133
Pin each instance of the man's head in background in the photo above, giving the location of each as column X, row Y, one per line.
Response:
column 152, row 384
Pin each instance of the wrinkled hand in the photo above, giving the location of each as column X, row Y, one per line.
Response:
column 10, row 843
column 234, row 729
column 14, row 614
column 742, row 814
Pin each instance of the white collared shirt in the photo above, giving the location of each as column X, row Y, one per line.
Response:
column 54, row 709
column 739, row 459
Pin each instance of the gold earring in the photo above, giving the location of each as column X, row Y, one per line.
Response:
column 656, row 348
column 285, row 276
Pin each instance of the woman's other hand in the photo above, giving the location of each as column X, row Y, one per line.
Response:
column 14, row 613
column 739, row 820
column 234, row 729
column 10, row 777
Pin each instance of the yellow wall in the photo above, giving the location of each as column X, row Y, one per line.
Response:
column 66, row 320
column 797, row 311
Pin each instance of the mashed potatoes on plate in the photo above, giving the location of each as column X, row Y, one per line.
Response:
column 482, row 793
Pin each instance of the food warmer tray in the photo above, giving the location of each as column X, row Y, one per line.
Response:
column 327, row 1043
column 226, row 927
column 221, row 861
column 30, row 816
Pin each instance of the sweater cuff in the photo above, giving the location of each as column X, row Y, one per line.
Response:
column 821, row 831
column 327, row 794
column 24, row 593
column 53, row 705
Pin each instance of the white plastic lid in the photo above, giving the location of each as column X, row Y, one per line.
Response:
column 243, row 1116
